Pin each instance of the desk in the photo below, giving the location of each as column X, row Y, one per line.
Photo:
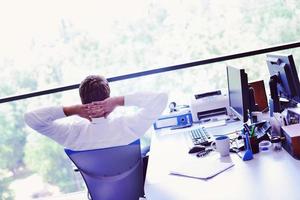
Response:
column 272, row 175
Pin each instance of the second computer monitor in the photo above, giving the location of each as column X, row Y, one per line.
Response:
column 283, row 67
column 238, row 92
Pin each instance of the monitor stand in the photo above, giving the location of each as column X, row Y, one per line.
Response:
column 275, row 103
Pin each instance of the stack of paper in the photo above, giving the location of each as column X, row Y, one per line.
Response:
column 202, row 168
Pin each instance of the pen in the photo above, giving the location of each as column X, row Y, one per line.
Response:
column 247, row 128
column 252, row 132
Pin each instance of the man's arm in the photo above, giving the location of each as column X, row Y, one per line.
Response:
column 45, row 121
column 44, row 118
column 151, row 106
column 80, row 110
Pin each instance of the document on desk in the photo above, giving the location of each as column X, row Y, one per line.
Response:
column 202, row 168
column 214, row 124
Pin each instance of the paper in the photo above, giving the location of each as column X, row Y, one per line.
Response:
column 214, row 123
column 202, row 168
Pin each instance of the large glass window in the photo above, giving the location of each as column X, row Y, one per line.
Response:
column 57, row 43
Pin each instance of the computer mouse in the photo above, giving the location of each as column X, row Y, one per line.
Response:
column 196, row 149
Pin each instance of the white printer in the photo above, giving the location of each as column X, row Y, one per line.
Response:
column 209, row 105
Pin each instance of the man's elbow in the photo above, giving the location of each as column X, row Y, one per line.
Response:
column 29, row 120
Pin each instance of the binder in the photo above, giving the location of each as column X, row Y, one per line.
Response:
column 173, row 120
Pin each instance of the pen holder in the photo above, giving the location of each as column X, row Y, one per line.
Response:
column 254, row 144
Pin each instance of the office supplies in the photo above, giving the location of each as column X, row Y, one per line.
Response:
column 211, row 124
column 204, row 168
column 204, row 153
column 177, row 119
column 223, row 129
column 293, row 116
column 248, row 153
column 254, row 141
column 181, row 126
column 265, row 146
column 260, row 130
column 276, row 142
column 200, row 136
column 252, row 131
column 291, row 143
column 209, row 105
column 276, row 122
column 174, row 107
column 237, row 143
column 222, row 145
column 196, row 149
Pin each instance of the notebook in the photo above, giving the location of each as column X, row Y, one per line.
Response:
column 202, row 168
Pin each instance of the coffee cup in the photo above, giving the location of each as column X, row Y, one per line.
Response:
column 221, row 145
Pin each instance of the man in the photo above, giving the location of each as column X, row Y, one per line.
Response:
column 95, row 129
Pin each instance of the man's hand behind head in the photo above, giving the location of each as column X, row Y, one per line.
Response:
column 95, row 109
column 105, row 107
column 81, row 110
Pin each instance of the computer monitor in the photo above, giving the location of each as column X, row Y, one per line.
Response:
column 284, row 81
column 238, row 92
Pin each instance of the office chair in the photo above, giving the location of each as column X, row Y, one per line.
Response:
column 111, row 173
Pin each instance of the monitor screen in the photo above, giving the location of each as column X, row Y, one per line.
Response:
column 238, row 92
column 284, row 68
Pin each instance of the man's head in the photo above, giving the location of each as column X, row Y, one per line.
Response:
column 93, row 88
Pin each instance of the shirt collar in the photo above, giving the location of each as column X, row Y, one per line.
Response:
column 98, row 120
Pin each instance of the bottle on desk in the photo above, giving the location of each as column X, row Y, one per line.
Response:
column 276, row 143
column 276, row 122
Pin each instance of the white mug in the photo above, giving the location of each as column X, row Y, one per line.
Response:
column 221, row 145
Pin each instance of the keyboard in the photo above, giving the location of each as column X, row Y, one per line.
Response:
column 200, row 136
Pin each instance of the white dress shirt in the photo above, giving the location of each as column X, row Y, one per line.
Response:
column 101, row 132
